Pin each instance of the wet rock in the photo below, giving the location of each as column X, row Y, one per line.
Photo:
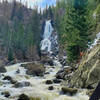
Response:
column 18, row 71
column 6, row 94
column 7, row 78
column 23, row 97
column 57, row 81
column 13, row 81
column 21, row 84
column 71, row 91
column 35, row 69
column 49, row 82
column 47, row 73
column 51, row 88
column 51, row 63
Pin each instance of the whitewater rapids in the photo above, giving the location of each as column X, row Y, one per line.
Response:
column 38, row 87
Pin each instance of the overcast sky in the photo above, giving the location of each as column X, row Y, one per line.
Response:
column 41, row 3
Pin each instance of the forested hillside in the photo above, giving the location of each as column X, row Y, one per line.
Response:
column 20, row 31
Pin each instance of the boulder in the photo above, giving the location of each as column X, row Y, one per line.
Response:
column 51, row 88
column 71, row 91
column 6, row 94
column 35, row 69
column 64, row 72
column 88, row 72
column 23, row 97
column 18, row 71
column 26, row 97
column 9, row 78
column 49, row 82
column 21, row 84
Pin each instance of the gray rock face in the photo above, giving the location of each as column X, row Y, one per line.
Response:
column 64, row 73
column 88, row 73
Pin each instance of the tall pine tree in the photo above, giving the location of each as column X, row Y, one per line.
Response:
column 77, row 27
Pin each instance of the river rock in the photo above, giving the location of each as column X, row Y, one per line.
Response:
column 57, row 81
column 21, row 84
column 71, row 91
column 64, row 72
column 35, row 69
column 9, row 78
column 49, row 82
column 6, row 94
column 18, row 71
column 23, row 97
column 88, row 72
column 51, row 88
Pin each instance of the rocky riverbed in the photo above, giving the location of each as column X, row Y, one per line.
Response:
column 16, row 82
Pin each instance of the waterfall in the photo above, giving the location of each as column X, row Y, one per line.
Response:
column 49, row 44
column 46, row 42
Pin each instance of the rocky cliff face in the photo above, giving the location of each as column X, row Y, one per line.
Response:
column 88, row 73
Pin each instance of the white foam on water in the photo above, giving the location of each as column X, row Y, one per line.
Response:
column 38, row 87
column 46, row 43
column 95, row 41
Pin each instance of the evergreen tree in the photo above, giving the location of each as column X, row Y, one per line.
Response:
column 33, row 30
column 77, row 27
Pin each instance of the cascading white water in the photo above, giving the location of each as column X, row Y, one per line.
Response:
column 38, row 87
column 95, row 41
column 46, row 42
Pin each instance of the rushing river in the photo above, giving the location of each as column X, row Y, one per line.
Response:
column 38, row 87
